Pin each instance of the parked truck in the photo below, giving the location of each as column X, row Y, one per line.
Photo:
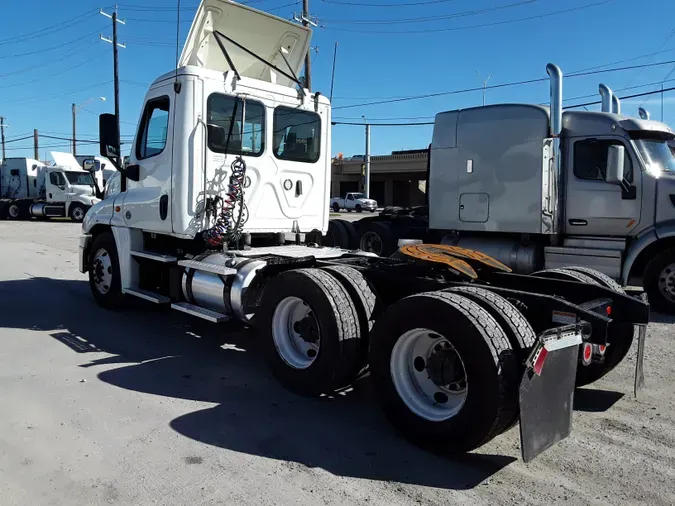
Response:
column 539, row 189
column 30, row 188
column 231, row 153
column 353, row 201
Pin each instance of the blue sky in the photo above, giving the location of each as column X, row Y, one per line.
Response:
column 52, row 57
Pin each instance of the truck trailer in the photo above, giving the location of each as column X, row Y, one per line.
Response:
column 540, row 188
column 231, row 153
column 30, row 188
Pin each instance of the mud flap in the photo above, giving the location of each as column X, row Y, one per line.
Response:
column 547, row 390
column 639, row 383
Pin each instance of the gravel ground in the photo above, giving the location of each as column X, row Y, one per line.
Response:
column 154, row 407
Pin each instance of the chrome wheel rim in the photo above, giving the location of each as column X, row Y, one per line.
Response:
column 295, row 332
column 429, row 375
column 102, row 271
column 371, row 242
column 78, row 213
column 13, row 211
column 667, row 282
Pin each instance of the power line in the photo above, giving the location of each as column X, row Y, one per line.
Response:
column 50, row 61
column 503, row 85
column 19, row 139
column 468, row 27
column 432, row 18
column 43, row 32
column 57, row 95
column 51, row 48
column 574, row 106
column 404, row 4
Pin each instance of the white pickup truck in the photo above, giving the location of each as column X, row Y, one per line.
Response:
column 353, row 201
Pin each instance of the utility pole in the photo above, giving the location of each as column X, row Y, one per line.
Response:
column 306, row 20
column 661, row 102
column 74, row 143
column 367, row 185
column 36, row 151
column 115, row 44
column 308, row 61
column 2, row 134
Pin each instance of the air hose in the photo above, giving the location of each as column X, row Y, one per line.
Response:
column 228, row 229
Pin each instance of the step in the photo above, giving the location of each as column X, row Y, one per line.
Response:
column 156, row 298
column 208, row 267
column 157, row 257
column 200, row 312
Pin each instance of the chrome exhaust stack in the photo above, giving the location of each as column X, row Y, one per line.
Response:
column 606, row 94
column 616, row 104
column 555, row 77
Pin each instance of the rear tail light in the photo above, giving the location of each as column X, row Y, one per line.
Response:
column 587, row 353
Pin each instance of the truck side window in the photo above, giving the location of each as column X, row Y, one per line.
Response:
column 590, row 159
column 57, row 179
column 297, row 135
column 153, row 128
column 224, row 125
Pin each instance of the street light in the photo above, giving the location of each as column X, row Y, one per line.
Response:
column 74, row 110
column 484, row 84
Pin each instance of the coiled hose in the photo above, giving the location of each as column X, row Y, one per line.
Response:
column 227, row 229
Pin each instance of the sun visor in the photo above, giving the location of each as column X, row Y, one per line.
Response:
column 257, row 31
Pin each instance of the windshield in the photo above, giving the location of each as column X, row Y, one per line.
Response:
column 79, row 178
column 358, row 195
column 658, row 155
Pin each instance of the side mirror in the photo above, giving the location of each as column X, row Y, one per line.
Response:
column 614, row 170
column 89, row 165
column 108, row 136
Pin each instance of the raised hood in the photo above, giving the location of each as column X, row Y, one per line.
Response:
column 65, row 160
column 259, row 32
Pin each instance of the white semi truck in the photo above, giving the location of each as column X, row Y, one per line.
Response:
column 230, row 154
column 30, row 188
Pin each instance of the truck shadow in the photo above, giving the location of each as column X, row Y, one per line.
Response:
column 173, row 355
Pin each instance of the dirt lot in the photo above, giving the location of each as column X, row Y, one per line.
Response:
column 153, row 407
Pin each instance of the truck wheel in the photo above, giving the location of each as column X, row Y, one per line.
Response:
column 620, row 335
column 518, row 330
column 104, row 272
column 444, row 371
column 365, row 299
column 377, row 237
column 77, row 212
column 310, row 332
column 358, row 208
column 14, row 211
column 336, row 207
column 337, row 235
column 659, row 281
column 351, row 233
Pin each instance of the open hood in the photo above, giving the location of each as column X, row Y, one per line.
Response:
column 257, row 31
column 65, row 160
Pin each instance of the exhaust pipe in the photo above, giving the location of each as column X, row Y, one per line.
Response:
column 644, row 113
column 555, row 77
column 606, row 95
column 616, row 105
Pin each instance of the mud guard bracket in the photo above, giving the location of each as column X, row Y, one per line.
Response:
column 639, row 383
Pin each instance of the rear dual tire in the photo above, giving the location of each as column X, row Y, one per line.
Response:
column 621, row 335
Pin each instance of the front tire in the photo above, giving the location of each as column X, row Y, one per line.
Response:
column 449, row 384
column 77, row 212
column 104, row 272
column 14, row 211
column 659, row 282
column 358, row 208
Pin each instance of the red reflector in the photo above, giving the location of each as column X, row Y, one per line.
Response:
column 608, row 310
column 539, row 361
column 602, row 349
column 588, row 352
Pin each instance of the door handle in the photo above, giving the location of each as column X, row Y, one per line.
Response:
column 163, row 207
column 298, row 188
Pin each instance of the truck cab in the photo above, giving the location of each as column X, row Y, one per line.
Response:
column 223, row 114
column 556, row 188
